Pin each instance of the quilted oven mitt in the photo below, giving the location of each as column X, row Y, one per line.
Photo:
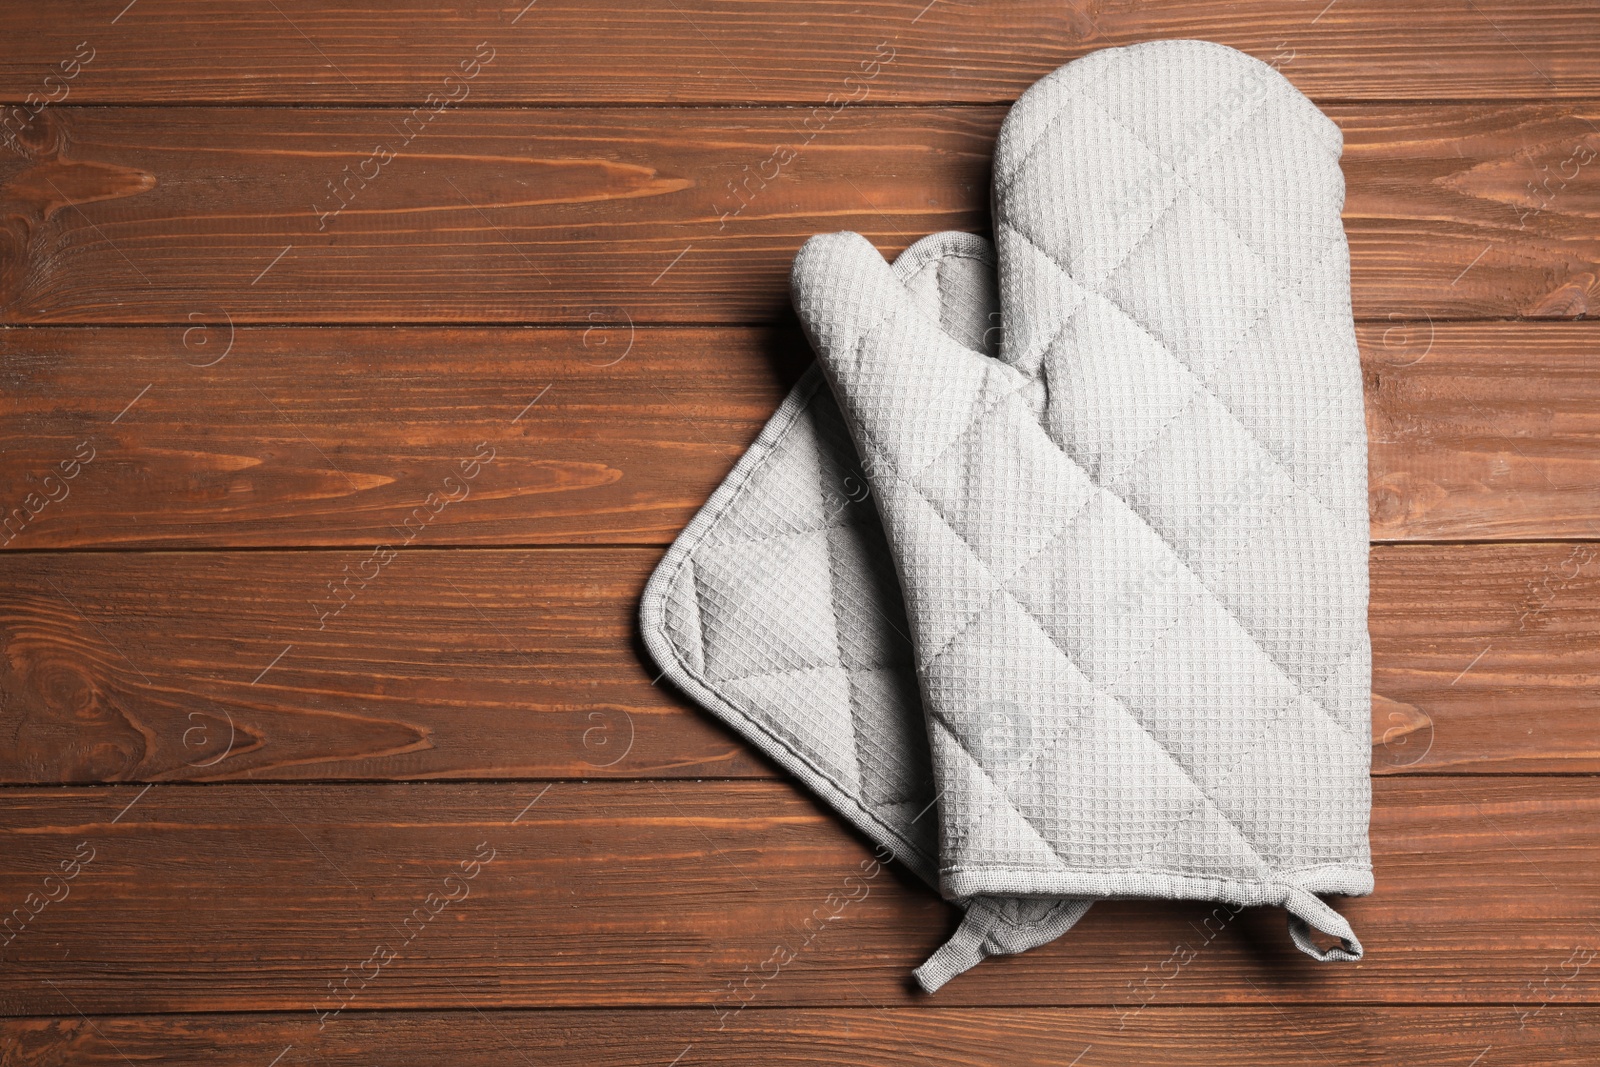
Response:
column 777, row 609
column 1141, row 531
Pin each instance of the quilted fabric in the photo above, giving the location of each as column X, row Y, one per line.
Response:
column 778, row 610
column 1142, row 531
column 1118, row 567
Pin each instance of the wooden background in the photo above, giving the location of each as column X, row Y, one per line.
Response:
column 224, row 802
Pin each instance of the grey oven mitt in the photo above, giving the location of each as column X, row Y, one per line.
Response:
column 1141, row 530
column 1130, row 552
column 777, row 609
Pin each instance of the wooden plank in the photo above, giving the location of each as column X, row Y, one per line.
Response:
column 1481, row 653
column 517, row 664
column 767, row 51
column 1500, row 188
column 692, row 894
column 419, row 664
column 332, row 436
column 858, row 1034
column 1482, row 431
column 575, row 216
column 268, row 437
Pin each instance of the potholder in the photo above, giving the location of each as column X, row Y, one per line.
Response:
column 777, row 609
column 1133, row 554
column 1141, row 533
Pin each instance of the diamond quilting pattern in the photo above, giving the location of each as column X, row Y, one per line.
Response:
column 752, row 637
column 1185, row 325
column 793, row 537
column 1128, row 590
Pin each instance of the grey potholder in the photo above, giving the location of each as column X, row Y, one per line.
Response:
column 1132, row 550
column 777, row 609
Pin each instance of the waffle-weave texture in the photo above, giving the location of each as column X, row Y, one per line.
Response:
column 778, row 610
column 1119, row 571
column 1133, row 548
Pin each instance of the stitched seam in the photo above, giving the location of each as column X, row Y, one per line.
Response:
column 1185, row 184
column 979, row 414
column 1234, row 615
column 1103, row 688
column 1072, row 90
column 1066, row 272
column 1195, row 806
column 743, row 710
column 1203, row 795
column 1227, row 777
column 1278, row 879
column 1294, row 483
column 700, row 597
column 768, row 729
column 1198, row 380
column 1177, row 617
column 838, row 655
column 1245, row 750
column 1000, row 585
column 1193, row 163
column 1205, row 157
column 745, row 542
column 1300, row 693
column 881, row 455
column 1204, row 384
column 962, row 832
column 1050, row 746
column 1298, row 689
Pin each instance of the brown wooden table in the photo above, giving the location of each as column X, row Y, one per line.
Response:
column 276, row 274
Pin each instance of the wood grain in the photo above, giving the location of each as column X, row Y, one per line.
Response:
column 332, row 436
column 272, row 437
column 1558, row 1036
column 770, row 51
column 266, row 303
column 197, row 666
column 663, row 893
column 494, row 663
column 177, row 215
column 1481, row 654
column 1482, row 431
